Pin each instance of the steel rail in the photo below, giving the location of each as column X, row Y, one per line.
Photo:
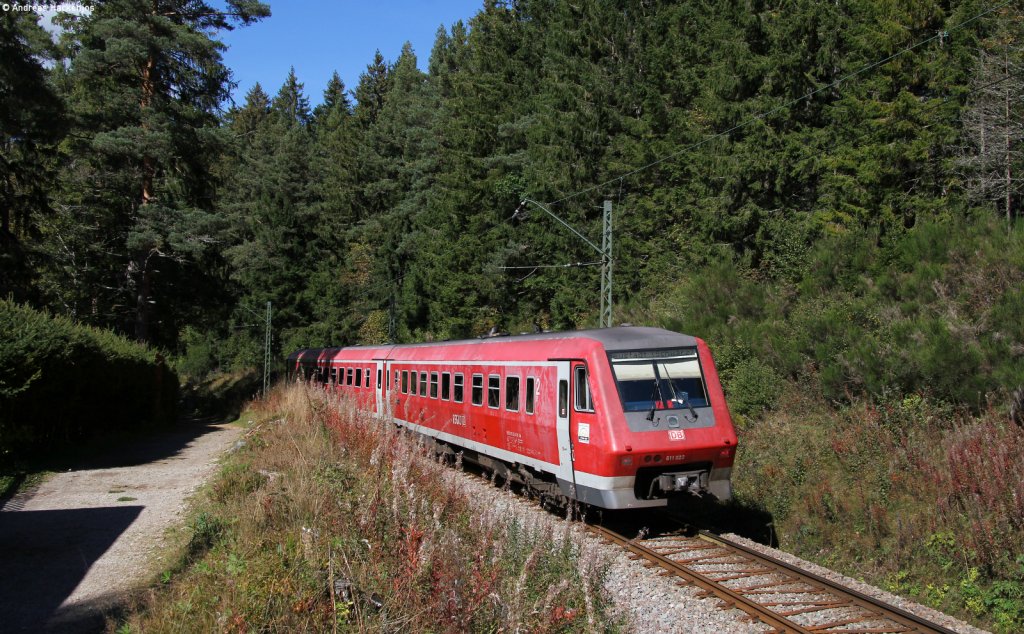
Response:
column 890, row 612
column 731, row 597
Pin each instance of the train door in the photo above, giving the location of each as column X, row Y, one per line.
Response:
column 563, row 427
column 584, row 420
column 380, row 380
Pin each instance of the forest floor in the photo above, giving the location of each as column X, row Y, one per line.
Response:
column 74, row 546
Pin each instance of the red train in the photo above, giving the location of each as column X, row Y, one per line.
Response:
column 616, row 418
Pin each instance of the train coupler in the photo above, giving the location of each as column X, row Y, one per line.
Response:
column 694, row 482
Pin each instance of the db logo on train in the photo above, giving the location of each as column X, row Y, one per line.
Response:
column 676, row 434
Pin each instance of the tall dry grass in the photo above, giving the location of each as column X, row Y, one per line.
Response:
column 329, row 520
column 920, row 497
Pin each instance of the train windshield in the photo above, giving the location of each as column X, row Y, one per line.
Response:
column 659, row 379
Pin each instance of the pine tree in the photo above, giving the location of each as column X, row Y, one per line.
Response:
column 993, row 122
column 144, row 82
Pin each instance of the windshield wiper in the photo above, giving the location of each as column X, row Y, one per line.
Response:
column 675, row 396
column 655, row 392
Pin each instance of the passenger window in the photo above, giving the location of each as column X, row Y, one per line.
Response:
column 334, row 375
column 412, row 383
column 563, row 399
column 494, row 391
column 530, row 385
column 348, row 376
column 458, row 388
column 423, row 383
column 359, row 377
column 478, row 389
column 433, row 385
column 512, row 393
column 584, row 402
column 446, row 386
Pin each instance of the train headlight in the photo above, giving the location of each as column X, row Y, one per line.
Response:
column 627, row 461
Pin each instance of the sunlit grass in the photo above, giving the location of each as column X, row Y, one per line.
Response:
column 322, row 498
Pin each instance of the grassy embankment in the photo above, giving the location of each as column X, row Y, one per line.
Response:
column 871, row 379
column 321, row 496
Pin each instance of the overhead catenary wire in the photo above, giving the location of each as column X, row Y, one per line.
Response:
column 940, row 35
column 567, row 265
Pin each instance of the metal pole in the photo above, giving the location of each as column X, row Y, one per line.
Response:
column 605, row 250
column 266, row 354
column 606, row 267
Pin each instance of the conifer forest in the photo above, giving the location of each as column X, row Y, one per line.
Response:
column 828, row 193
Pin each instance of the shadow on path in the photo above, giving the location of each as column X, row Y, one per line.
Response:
column 141, row 449
column 107, row 453
column 44, row 555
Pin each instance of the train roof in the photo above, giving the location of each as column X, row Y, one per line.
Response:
column 611, row 339
column 615, row 338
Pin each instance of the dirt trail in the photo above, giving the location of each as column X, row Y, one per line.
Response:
column 70, row 549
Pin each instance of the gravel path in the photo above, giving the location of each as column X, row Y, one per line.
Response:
column 72, row 548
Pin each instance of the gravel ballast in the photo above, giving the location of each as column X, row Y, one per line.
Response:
column 649, row 602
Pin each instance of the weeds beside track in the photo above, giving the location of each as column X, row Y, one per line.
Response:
column 329, row 520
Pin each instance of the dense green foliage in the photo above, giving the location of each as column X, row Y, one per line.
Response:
column 58, row 381
column 776, row 189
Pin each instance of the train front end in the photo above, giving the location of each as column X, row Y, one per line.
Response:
column 672, row 433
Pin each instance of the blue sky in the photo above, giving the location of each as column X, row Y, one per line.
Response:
column 318, row 37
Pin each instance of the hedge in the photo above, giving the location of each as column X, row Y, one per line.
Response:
column 61, row 382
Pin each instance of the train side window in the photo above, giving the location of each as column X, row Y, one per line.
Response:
column 512, row 393
column 423, row 383
column 396, row 383
column 413, row 376
column 446, row 386
column 349, row 375
column 359, row 377
column 563, row 399
column 334, row 375
column 494, row 391
column 405, row 381
column 531, row 384
column 369, row 378
column 478, row 389
column 380, row 375
column 584, row 400
column 433, row 385
column 457, row 391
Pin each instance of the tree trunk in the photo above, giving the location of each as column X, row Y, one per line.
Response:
column 143, row 307
column 1009, row 157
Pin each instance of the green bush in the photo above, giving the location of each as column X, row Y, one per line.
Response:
column 61, row 382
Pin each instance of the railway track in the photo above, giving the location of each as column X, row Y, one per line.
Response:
column 785, row 598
